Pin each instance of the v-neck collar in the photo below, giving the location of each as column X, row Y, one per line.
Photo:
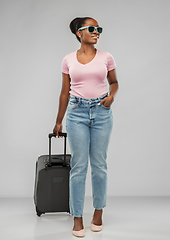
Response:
column 88, row 62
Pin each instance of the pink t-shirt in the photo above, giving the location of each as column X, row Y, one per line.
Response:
column 88, row 80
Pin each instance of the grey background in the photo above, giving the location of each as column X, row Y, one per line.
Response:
column 34, row 38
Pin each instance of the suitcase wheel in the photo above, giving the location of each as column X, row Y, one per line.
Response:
column 38, row 212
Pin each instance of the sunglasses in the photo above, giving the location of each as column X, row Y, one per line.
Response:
column 91, row 29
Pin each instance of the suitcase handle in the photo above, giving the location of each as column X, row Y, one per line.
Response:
column 54, row 135
column 60, row 134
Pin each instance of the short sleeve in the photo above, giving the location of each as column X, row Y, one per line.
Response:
column 64, row 66
column 110, row 62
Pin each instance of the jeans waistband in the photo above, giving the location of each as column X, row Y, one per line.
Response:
column 87, row 100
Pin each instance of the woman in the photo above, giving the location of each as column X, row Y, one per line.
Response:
column 89, row 118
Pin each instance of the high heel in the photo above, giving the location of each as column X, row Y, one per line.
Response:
column 96, row 228
column 79, row 233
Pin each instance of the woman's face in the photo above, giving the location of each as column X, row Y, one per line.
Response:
column 85, row 36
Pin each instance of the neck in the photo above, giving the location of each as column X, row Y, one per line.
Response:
column 87, row 49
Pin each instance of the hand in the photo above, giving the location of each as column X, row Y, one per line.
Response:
column 58, row 128
column 107, row 101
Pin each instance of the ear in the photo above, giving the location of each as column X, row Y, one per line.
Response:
column 78, row 34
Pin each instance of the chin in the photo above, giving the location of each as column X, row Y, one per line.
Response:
column 95, row 40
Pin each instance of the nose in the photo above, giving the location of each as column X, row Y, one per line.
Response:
column 95, row 31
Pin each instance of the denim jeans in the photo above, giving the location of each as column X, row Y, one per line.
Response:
column 88, row 127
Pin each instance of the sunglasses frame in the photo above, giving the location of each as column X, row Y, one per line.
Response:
column 95, row 28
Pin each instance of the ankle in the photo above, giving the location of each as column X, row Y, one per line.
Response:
column 98, row 212
column 78, row 218
column 78, row 223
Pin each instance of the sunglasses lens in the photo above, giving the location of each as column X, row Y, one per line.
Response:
column 91, row 29
column 99, row 29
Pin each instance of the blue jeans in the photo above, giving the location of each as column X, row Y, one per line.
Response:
column 88, row 127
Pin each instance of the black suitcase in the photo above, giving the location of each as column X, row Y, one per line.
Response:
column 51, row 190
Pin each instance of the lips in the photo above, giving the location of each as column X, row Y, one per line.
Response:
column 95, row 36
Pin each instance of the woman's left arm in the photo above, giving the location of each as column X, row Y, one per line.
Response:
column 112, row 79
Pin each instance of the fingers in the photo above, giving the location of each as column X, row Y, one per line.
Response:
column 106, row 102
column 54, row 131
column 100, row 103
column 57, row 129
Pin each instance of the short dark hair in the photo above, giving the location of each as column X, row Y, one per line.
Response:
column 77, row 23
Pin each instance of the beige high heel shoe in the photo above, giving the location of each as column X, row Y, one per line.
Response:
column 79, row 233
column 96, row 228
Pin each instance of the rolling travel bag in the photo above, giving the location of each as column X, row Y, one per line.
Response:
column 51, row 190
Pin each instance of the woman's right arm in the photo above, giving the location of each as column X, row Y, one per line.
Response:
column 63, row 102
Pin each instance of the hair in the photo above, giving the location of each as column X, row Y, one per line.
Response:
column 77, row 23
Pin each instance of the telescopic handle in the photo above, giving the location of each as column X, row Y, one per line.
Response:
column 54, row 135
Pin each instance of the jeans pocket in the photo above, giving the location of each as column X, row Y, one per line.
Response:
column 105, row 107
column 72, row 105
